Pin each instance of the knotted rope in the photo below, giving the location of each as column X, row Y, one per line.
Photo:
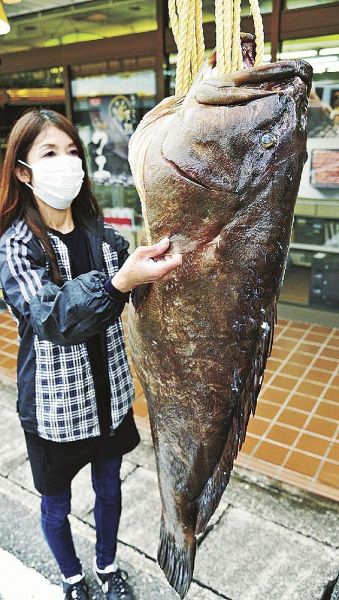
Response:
column 227, row 19
column 186, row 21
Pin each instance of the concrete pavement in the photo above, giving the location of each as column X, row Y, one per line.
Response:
column 265, row 542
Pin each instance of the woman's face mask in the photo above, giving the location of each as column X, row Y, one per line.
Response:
column 57, row 180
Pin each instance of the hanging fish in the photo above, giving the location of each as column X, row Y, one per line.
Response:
column 218, row 172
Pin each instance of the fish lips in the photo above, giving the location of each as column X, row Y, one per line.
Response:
column 250, row 84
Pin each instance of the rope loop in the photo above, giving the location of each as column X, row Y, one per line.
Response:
column 186, row 22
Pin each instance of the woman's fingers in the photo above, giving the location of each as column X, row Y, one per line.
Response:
column 154, row 250
column 161, row 267
column 147, row 264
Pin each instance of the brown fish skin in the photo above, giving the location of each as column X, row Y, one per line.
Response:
column 219, row 174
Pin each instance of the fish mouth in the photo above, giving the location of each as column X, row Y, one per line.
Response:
column 185, row 174
column 241, row 87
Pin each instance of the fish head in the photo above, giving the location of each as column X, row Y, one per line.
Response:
column 233, row 130
column 221, row 147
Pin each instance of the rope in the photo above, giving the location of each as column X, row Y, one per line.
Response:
column 236, row 41
column 199, row 34
column 228, row 38
column 259, row 31
column 220, row 46
column 186, row 22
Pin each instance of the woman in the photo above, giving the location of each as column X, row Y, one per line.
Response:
column 66, row 277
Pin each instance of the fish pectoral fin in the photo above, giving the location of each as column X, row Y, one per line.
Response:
column 139, row 295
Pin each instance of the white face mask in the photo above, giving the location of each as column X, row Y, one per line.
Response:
column 57, row 180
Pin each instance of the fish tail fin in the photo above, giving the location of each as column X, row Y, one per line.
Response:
column 177, row 561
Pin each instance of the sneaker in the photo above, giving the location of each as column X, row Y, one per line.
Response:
column 112, row 581
column 75, row 590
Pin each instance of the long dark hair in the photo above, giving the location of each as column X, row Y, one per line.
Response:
column 17, row 200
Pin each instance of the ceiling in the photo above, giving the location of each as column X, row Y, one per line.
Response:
column 76, row 21
column 34, row 26
column 29, row 6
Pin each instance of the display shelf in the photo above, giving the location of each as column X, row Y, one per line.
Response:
column 314, row 248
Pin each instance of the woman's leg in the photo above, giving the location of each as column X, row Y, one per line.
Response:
column 107, row 487
column 55, row 525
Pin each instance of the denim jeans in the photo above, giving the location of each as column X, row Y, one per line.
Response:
column 55, row 524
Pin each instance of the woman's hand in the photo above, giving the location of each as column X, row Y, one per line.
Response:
column 141, row 268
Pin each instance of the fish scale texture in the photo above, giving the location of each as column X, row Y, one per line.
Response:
column 218, row 172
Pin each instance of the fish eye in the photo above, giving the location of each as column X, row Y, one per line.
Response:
column 268, row 140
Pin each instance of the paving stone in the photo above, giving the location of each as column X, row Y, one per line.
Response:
column 13, row 447
column 149, row 581
column 22, row 475
column 140, row 517
column 8, row 395
column 295, row 512
column 263, row 542
column 248, row 558
column 83, row 497
column 127, row 468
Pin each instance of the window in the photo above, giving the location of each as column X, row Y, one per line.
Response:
column 312, row 274
column 290, row 4
column 20, row 91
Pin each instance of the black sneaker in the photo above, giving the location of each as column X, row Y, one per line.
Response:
column 114, row 584
column 75, row 591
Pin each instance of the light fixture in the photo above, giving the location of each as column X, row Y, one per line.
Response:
column 4, row 25
column 298, row 54
column 327, row 51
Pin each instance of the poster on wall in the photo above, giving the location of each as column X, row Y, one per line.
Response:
column 112, row 122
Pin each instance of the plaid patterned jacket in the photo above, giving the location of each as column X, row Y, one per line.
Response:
column 56, row 395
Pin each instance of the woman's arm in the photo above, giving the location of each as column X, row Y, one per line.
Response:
column 79, row 309
column 65, row 315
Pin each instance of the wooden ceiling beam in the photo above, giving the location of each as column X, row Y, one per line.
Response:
column 126, row 46
column 309, row 22
column 290, row 24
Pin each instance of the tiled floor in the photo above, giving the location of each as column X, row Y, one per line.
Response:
column 294, row 434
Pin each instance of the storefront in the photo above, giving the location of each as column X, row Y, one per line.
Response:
column 106, row 64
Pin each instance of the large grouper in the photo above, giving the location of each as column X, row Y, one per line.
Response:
column 218, row 172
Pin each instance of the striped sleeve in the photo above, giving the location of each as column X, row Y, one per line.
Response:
column 118, row 242
column 21, row 275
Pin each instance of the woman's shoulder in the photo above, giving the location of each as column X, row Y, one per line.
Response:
column 18, row 230
column 18, row 234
